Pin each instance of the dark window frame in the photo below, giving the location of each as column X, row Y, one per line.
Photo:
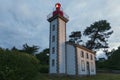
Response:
column 53, row 50
column 53, row 62
column 87, row 55
column 82, row 54
column 53, row 38
column 53, row 27
column 92, row 67
column 91, row 57
column 82, row 65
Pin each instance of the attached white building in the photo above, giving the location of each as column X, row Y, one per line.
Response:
column 65, row 57
column 80, row 60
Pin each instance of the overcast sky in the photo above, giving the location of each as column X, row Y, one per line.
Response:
column 25, row 21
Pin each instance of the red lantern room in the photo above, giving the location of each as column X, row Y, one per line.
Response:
column 58, row 10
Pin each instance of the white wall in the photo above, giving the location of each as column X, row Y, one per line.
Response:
column 59, row 44
column 79, row 62
column 70, row 60
column 53, row 44
column 92, row 68
column 62, row 39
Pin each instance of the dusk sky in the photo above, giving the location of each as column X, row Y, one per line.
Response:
column 25, row 21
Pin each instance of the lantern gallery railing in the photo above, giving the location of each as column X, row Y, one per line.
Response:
column 64, row 15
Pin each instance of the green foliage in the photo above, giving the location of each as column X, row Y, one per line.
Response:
column 75, row 37
column 108, row 54
column 17, row 66
column 114, row 59
column 98, row 32
column 30, row 49
column 101, row 65
column 14, row 49
column 44, row 68
column 99, row 76
column 44, row 61
column 27, row 49
column 44, row 56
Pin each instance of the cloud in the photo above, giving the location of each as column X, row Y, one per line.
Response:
column 84, row 13
column 24, row 21
column 21, row 22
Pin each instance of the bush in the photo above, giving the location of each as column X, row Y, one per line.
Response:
column 43, row 68
column 17, row 66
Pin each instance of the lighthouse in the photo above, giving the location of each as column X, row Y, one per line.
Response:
column 67, row 58
column 57, row 40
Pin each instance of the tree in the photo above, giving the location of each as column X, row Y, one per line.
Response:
column 75, row 37
column 44, row 56
column 30, row 49
column 14, row 49
column 98, row 34
column 1, row 49
column 44, row 60
column 108, row 54
column 16, row 65
column 113, row 59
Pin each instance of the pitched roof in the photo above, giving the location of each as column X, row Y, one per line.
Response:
column 81, row 47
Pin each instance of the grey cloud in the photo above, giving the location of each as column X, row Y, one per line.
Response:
column 24, row 21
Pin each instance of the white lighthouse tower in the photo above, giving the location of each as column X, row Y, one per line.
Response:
column 57, row 41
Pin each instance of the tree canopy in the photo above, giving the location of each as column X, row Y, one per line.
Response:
column 27, row 49
column 16, row 65
column 30, row 49
column 44, row 56
column 98, row 34
column 75, row 37
column 113, row 61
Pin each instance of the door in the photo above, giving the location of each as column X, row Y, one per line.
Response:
column 88, row 68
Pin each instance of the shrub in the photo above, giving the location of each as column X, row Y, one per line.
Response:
column 43, row 68
column 17, row 66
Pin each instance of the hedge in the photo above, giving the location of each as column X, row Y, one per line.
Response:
column 17, row 66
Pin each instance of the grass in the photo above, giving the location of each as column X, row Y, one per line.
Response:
column 100, row 76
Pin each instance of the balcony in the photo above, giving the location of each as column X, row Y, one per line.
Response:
column 64, row 15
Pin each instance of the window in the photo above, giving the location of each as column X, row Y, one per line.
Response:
column 53, row 38
column 92, row 67
column 53, row 28
column 53, row 50
column 53, row 62
column 82, row 54
column 87, row 55
column 91, row 57
column 82, row 65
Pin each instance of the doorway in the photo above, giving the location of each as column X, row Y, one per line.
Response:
column 88, row 68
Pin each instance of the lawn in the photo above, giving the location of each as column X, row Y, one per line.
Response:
column 100, row 76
